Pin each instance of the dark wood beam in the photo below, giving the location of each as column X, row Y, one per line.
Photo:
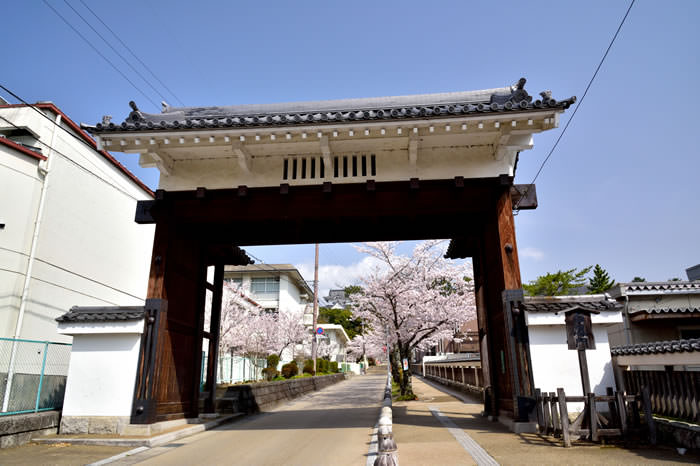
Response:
column 523, row 196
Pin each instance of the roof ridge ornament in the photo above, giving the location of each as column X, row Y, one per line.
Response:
column 518, row 94
column 135, row 114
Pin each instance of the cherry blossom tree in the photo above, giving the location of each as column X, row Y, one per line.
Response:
column 291, row 331
column 370, row 344
column 248, row 330
column 413, row 300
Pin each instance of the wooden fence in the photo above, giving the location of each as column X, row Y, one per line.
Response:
column 466, row 377
column 621, row 419
column 672, row 393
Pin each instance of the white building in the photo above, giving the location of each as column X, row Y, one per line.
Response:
column 67, row 230
column 275, row 287
column 333, row 342
column 554, row 363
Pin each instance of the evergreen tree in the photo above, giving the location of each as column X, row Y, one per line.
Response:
column 557, row 283
column 638, row 279
column 600, row 282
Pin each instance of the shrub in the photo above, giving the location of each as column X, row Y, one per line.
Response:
column 309, row 366
column 290, row 369
column 322, row 365
column 273, row 360
column 334, row 366
column 270, row 372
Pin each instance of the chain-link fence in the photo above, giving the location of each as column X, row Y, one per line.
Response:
column 32, row 375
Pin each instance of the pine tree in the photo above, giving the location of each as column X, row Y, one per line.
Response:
column 600, row 282
column 561, row 282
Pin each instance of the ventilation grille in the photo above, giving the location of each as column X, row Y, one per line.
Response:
column 343, row 166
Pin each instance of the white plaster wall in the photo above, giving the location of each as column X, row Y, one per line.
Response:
column 19, row 198
column 90, row 251
column 290, row 295
column 101, row 375
column 555, row 366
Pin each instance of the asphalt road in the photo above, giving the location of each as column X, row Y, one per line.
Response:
column 329, row 427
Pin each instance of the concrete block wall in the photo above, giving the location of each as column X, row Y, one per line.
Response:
column 264, row 396
column 19, row 429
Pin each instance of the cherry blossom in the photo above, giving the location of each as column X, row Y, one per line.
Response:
column 413, row 301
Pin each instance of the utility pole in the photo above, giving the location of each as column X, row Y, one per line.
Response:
column 314, row 343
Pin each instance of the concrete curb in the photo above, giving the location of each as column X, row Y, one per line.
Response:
column 136, row 442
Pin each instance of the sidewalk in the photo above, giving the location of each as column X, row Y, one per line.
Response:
column 423, row 439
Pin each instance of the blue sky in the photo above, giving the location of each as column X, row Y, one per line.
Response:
column 620, row 190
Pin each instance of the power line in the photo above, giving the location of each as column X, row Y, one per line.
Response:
column 53, row 122
column 132, row 53
column 99, row 53
column 56, row 151
column 573, row 114
column 113, row 49
column 61, row 286
column 67, row 131
column 73, row 273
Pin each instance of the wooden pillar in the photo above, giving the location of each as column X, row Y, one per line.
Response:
column 214, row 331
column 497, row 269
column 487, row 360
column 173, row 386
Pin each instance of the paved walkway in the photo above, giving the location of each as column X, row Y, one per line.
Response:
column 440, row 429
column 329, row 427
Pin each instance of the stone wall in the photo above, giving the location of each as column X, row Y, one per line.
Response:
column 18, row 429
column 252, row 398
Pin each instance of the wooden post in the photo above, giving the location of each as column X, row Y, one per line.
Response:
column 621, row 411
column 556, row 421
column 612, row 408
column 648, row 416
column 564, row 416
column 214, row 331
column 583, row 368
column 539, row 410
column 592, row 416
column 547, row 413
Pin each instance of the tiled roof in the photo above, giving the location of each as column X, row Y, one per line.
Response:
column 657, row 347
column 662, row 287
column 506, row 99
column 102, row 314
column 556, row 304
column 666, row 310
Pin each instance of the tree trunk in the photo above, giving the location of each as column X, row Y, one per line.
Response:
column 405, row 379
column 395, row 368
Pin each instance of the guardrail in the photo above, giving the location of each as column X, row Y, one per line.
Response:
column 387, row 451
column 32, row 375
column 464, row 376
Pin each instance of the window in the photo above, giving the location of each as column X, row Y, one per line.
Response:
column 238, row 281
column 265, row 286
